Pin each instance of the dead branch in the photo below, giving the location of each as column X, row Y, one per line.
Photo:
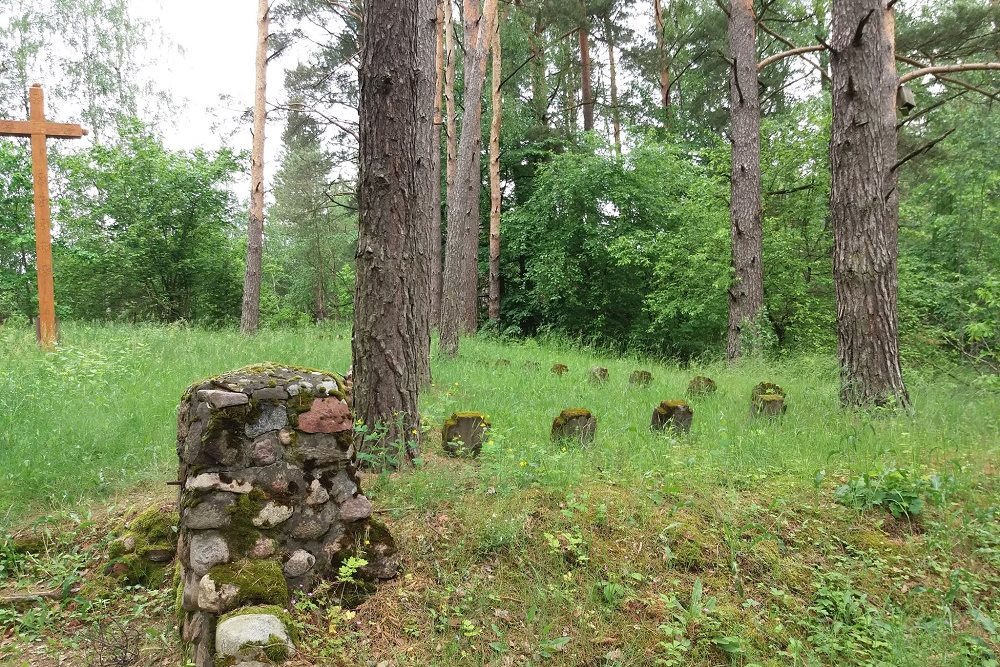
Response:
column 920, row 151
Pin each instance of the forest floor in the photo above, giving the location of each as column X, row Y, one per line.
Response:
column 745, row 542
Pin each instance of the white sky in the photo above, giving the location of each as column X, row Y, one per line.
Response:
column 208, row 67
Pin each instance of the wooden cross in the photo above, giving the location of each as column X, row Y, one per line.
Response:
column 38, row 130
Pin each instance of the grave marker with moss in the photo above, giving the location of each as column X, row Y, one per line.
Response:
column 767, row 400
column 463, row 433
column 640, row 378
column 576, row 424
column 672, row 415
column 598, row 375
column 701, row 385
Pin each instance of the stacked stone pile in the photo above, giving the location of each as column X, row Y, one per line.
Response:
column 269, row 503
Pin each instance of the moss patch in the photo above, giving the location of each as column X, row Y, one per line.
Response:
column 241, row 534
column 259, row 581
column 568, row 414
column 140, row 555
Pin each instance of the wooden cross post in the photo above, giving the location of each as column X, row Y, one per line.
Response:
column 38, row 130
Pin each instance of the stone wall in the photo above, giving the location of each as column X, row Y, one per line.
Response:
column 269, row 504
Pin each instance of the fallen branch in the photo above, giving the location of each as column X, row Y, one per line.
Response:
column 37, row 596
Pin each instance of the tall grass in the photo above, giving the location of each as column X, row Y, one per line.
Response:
column 98, row 415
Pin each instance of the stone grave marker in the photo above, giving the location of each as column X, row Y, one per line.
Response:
column 463, row 433
column 701, row 385
column 598, row 375
column 672, row 415
column 640, row 378
column 574, row 424
column 767, row 400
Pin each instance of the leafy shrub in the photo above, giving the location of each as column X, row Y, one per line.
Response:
column 894, row 489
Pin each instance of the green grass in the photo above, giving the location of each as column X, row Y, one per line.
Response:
column 724, row 546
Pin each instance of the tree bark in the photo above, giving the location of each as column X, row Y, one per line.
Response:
column 435, row 251
column 250, row 319
column 586, row 88
column 664, row 60
column 864, row 203
column 421, row 250
column 458, row 311
column 392, row 136
column 451, row 154
column 539, row 96
column 616, row 121
column 495, row 121
column 746, row 295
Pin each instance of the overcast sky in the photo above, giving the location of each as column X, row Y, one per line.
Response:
column 208, row 67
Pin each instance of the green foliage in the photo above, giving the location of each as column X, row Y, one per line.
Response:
column 17, row 237
column 603, row 251
column 894, row 489
column 312, row 231
column 148, row 234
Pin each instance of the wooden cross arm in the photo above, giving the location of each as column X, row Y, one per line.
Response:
column 26, row 128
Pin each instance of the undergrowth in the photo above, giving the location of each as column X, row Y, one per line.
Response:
column 823, row 537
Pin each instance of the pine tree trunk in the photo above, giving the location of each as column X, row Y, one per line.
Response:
column 495, row 120
column 386, row 382
column 435, row 251
column 746, row 295
column 451, row 126
column 430, row 222
column 586, row 89
column 539, row 96
column 664, row 60
column 616, row 121
column 459, row 302
column 250, row 320
column 864, row 203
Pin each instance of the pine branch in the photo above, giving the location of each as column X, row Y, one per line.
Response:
column 788, row 54
column 948, row 79
column 944, row 69
column 790, row 45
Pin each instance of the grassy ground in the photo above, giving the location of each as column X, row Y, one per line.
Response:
column 728, row 545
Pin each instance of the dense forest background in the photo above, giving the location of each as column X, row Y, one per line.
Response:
column 614, row 167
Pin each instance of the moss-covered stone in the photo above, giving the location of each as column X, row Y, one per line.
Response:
column 241, row 534
column 178, row 588
column 640, row 378
column 139, row 556
column 258, row 581
column 463, row 433
column 575, row 424
column 28, row 543
column 598, row 375
column 675, row 415
column 701, row 385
